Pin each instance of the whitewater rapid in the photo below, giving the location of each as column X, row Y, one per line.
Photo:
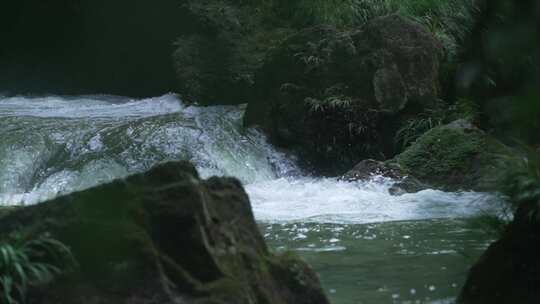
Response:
column 55, row 145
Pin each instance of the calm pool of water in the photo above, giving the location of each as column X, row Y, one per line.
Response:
column 394, row 262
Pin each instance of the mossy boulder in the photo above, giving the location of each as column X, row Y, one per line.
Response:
column 457, row 156
column 164, row 236
column 339, row 96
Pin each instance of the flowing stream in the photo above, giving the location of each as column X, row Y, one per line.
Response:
column 368, row 246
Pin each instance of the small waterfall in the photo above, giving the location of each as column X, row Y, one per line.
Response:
column 54, row 145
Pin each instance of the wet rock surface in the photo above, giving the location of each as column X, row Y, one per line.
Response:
column 164, row 236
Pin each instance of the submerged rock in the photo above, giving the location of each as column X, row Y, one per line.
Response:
column 509, row 271
column 456, row 156
column 339, row 96
column 164, row 236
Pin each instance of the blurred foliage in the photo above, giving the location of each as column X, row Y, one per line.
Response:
column 501, row 68
column 500, row 72
column 521, row 181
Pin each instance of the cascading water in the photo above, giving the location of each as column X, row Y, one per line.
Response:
column 56, row 145
column 369, row 246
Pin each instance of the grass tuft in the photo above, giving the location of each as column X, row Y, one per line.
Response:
column 30, row 262
column 414, row 128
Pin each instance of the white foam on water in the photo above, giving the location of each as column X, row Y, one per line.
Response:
column 328, row 200
column 55, row 145
column 89, row 106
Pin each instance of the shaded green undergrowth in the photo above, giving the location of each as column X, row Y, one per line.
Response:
column 450, row 20
column 413, row 128
column 30, row 262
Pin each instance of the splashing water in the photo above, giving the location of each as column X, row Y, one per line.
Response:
column 55, row 145
column 330, row 201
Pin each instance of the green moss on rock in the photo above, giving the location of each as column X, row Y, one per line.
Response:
column 454, row 156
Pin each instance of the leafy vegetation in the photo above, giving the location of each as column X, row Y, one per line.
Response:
column 450, row 20
column 503, row 69
column 412, row 129
column 334, row 12
column 329, row 103
column 30, row 262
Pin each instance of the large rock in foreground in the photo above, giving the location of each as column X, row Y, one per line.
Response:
column 509, row 271
column 164, row 236
column 339, row 96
